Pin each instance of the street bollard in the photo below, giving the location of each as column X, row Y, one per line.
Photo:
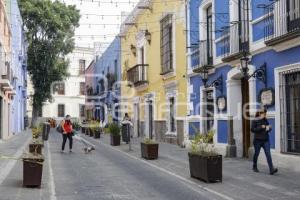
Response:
column 46, row 130
column 231, row 146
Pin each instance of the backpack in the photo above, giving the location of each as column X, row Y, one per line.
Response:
column 59, row 128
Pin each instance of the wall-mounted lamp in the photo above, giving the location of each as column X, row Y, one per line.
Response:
column 218, row 83
column 148, row 36
column 260, row 73
column 133, row 49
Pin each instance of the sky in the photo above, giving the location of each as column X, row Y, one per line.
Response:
column 100, row 21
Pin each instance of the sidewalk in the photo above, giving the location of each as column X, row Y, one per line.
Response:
column 11, row 173
column 239, row 182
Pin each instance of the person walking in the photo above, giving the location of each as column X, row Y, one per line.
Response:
column 261, row 128
column 67, row 129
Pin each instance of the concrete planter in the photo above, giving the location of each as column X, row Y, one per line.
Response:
column 149, row 151
column 32, row 170
column 206, row 168
column 115, row 140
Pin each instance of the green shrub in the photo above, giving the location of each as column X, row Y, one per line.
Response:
column 202, row 144
column 76, row 125
column 114, row 129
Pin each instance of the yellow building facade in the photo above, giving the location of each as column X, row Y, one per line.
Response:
column 153, row 46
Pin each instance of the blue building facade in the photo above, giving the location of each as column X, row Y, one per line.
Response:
column 107, row 74
column 244, row 55
column 19, row 68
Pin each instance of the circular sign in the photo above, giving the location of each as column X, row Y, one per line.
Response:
column 267, row 97
column 221, row 103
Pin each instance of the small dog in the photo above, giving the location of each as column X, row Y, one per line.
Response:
column 88, row 149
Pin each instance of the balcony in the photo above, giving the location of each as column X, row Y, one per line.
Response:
column 205, row 56
column 138, row 74
column 6, row 76
column 282, row 22
column 236, row 41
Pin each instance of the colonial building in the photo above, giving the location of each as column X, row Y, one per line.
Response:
column 153, row 42
column 69, row 95
column 19, row 66
column 89, row 108
column 244, row 55
column 6, row 79
column 106, row 89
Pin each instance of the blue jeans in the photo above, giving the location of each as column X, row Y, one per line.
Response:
column 258, row 144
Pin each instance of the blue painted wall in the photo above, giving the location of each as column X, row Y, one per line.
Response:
column 194, row 128
column 18, row 65
column 273, row 60
column 110, row 63
column 222, row 131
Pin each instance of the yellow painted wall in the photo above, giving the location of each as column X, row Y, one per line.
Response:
column 150, row 20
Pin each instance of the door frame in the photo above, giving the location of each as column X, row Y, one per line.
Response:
column 279, row 135
column 234, row 103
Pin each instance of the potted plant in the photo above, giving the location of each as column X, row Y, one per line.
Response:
column 149, row 149
column 205, row 163
column 76, row 125
column 90, row 128
column 95, row 129
column 83, row 124
column 115, row 136
column 37, row 143
column 32, row 169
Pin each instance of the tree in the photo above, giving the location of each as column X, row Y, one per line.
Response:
column 49, row 27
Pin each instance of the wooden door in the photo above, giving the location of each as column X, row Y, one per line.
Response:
column 245, row 117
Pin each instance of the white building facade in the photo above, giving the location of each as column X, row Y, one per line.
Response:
column 69, row 95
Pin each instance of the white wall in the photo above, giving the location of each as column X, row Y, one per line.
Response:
column 72, row 98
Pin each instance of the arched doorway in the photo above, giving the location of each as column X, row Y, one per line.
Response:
column 241, row 94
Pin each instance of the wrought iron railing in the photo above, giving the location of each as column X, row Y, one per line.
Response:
column 206, row 53
column 236, row 39
column 7, row 72
column 138, row 74
column 282, row 19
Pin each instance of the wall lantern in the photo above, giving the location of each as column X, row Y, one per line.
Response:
column 260, row 73
column 218, row 83
column 133, row 49
column 148, row 36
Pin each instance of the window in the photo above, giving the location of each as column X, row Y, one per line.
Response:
column 209, row 33
column 209, row 111
column 166, row 41
column 81, row 67
column 290, row 110
column 81, row 110
column 172, row 115
column 82, row 88
column 59, row 89
column 60, row 110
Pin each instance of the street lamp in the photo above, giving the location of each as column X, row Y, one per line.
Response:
column 244, row 65
column 133, row 49
column 148, row 36
column 260, row 73
column 204, row 76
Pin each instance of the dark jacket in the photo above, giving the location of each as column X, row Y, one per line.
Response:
column 260, row 133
